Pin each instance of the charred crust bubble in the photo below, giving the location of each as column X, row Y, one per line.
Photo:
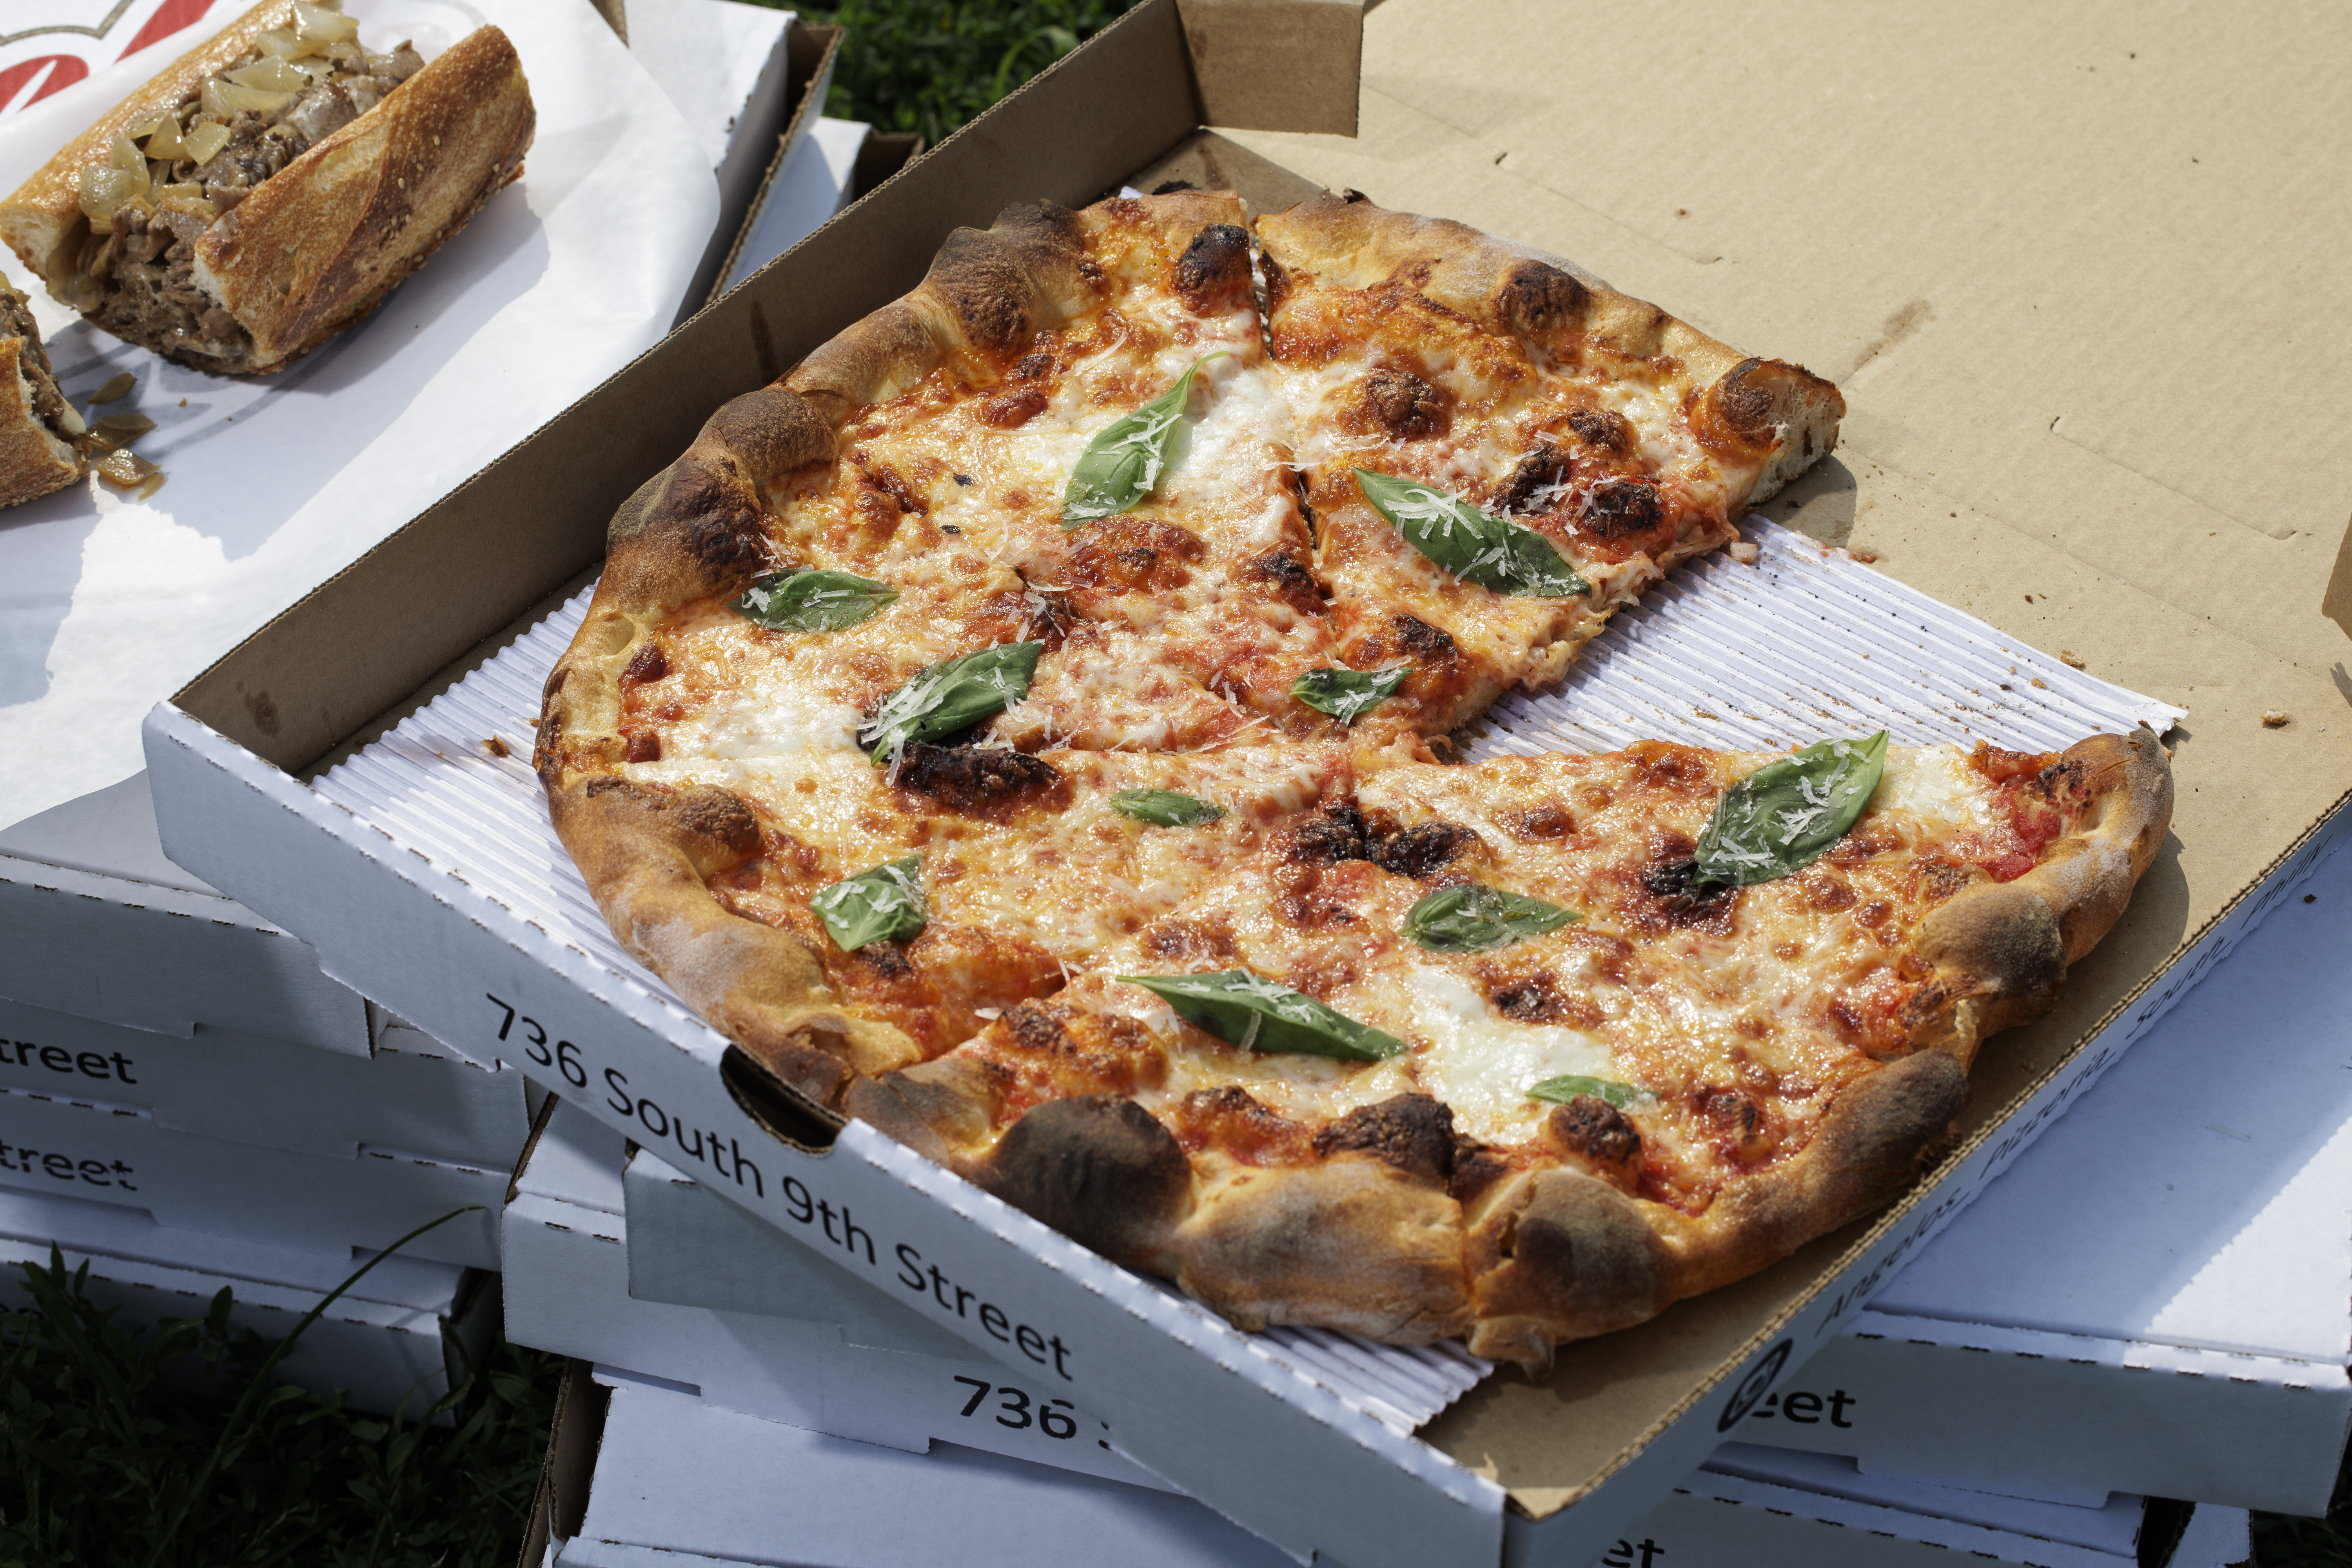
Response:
column 1539, row 298
column 1335, row 835
column 1097, row 1168
column 1431, row 645
column 1215, row 267
column 1134, row 554
column 1534, row 473
column 1590, row 1126
column 721, row 525
column 1683, row 901
column 1742, row 405
column 1586, row 1250
column 1532, row 999
column 1411, row 1132
column 963, row 777
column 649, row 664
column 1422, row 850
column 1600, row 428
column 1406, row 406
column 986, row 280
column 1288, row 577
column 1620, row 507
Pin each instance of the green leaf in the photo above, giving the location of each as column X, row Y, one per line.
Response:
column 806, row 599
column 1473, row 917
column 1123, row 463
column 951, row 696
column 1474, row 545
column 1786, row 814
column 884, row 904
column 1259, row 1016
column 1347, row 694
column 1569, row 1085
column 1164, row 808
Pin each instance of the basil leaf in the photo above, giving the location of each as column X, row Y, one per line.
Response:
column 951, row 696
column 1569, row 1085
column 1473, row 917
column 1164, row 808
column 1259, row 1016
column 1123, row 463
column 1786, row 814
column 1346, row 694
column 1474, row 545
column 884, row 904
column 809, row 600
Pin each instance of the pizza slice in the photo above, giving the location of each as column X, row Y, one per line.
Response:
column 1498, row 455
column 1528, row 1051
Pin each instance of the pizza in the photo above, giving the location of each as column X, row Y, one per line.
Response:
column 1025, row 727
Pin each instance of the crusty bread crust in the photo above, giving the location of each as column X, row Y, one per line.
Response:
column 33, row 460
column 1405, row 1250
column 1752, row 409
column 316, row 247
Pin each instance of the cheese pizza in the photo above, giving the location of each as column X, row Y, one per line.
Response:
column 1022, row 727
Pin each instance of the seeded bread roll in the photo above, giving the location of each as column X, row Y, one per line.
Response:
column 270, row 188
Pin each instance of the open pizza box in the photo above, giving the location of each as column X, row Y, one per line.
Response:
column 1857, row 270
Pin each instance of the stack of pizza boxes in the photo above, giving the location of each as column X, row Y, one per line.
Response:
column 2042, row 1385
column 188, row 1103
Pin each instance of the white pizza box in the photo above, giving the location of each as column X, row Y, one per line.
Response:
column 76, row 1147
column 676, row 1480
column 750, row 82
column 97, row 922
column 243, row 1088
column 397, row 1340
column 1555, row 1464
column 812, row 183
column 2149, row 1336
column 2156, row 1297
column 868, row 1369
column 276, row 483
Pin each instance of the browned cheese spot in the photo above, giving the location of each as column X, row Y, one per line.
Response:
column 1406, row 406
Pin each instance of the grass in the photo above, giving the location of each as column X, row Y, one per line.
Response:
column 105, row 1461
column 910, row 65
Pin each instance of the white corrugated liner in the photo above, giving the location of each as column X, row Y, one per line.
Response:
column 1804, row 644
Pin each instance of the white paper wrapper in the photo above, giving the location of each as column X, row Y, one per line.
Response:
column 1806, row 644
column 275, row 484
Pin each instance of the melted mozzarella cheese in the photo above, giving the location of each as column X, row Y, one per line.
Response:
column 1934, row 782
column 1483, row 1066
column 774, row 713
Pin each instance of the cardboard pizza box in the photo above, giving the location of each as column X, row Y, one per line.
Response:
column 870, row 1370
column 100, row 1153
column 2183, row 1330
column 1556, row 1466
column 250, row 1088
column 812, row 183
column 398, row 1339
column 98, row 923
column 664, row 1477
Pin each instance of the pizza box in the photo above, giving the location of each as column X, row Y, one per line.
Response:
column 107, row 1153
column 838, row 162
column 868, row 1369
column 2181, row 1326
column 2182, row 1331
column 98, row 923
column 1556, row 1466
column 398, row 1339
column 662, row 1478
column 250, row 1088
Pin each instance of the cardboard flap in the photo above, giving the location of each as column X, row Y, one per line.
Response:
column 1276, row 65
column 2336, row 605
